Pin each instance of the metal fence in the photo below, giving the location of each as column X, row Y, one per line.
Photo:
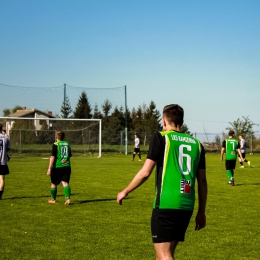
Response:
column 86, row 141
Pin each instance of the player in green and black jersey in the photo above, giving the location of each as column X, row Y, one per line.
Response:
column 180, row 160
column 59, row 167
column 232, row 147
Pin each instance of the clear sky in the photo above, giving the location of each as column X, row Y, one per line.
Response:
column 203, row 55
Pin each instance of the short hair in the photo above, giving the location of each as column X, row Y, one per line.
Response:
column 1, row 126
column 136, row 134
column 231, row 133
column 174, row 114
column 241, row 135
column 60, row 135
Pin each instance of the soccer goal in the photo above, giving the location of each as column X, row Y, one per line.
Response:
column 36, row 134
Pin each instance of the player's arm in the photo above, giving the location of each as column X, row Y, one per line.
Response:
column 202, row 198
column 138, row 180
column 222, row 150
column 52, row 158
column 240, row 154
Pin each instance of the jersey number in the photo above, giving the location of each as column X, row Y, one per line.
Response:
column 188, row 159
column 233, row 144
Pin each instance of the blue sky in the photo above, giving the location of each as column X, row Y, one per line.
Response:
column 203, row 55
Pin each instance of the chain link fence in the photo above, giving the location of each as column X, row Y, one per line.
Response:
column 86, row 141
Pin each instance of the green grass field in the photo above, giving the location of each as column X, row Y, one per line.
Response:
column 94, row 226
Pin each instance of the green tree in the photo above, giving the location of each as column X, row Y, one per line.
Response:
column 243, row 126
column 96, row 113
column 83, row 109
column 9, row 111
column 137, row 117
column 152, row 118
column 106, row 107
column 66, row 108
column 120, row 116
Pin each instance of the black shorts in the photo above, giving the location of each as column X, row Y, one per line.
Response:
column 4, row 170
column 60, row 174
column 137, row 150
column 243, row 155
column 168, row 225
column 231, row 164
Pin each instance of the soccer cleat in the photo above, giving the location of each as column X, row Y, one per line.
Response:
column 242, row 166
column 229, row 183
column 233, row 182
column 249, row 163
column 139, row 160
column 51, row 201
column 67, row 202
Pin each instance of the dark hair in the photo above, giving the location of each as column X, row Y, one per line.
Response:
column 174, row 114
column 60, row 135
column 1, row 126
column 231, row 133
column 241, row 135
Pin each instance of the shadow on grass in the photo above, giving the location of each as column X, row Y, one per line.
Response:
column 35, row 197
column 95, row 200
column 247, row 184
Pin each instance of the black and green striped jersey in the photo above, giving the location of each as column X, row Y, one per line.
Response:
column 231, row 145
column 62, row 153
column 178, row 157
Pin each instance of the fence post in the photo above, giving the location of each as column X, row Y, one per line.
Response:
column 121, row 141
column 20, row 141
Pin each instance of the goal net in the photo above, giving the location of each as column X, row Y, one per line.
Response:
column 35, row 135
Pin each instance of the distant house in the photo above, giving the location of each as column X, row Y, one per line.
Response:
column 31, row 113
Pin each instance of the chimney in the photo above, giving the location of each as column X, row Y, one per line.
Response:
column 49, row 113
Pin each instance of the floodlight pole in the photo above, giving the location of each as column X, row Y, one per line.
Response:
column 125, row 122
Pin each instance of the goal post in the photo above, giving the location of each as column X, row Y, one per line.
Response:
column 35, row 134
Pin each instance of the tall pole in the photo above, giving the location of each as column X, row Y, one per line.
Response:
column 125, row 122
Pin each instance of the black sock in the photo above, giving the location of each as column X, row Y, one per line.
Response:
column 1, row 193
column 241, row 163
column 245, row 160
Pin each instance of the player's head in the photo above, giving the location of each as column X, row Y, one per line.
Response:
column 1, row 126
column 60, row 135
column 241, row 137
column 231, row 133
column 136, row 135
column 173, row 114
column 3, row 132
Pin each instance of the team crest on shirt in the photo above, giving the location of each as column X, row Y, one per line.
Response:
column 185, row 186
column 233, row 153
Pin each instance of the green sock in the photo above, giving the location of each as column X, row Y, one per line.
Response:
column 229, row 174
column 53, row 193
column 67, row 192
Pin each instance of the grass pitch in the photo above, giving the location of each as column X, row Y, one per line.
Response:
column 96, row 227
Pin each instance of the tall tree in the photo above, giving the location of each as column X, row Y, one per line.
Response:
column 96, row 113
column 120, row 115
column 152, row 118
column 66, row 108
column 83, row 109
column 106, row 107
column 243, row 126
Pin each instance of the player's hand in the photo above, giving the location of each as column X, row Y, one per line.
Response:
column 120, row 196
column 200, row 221
column 49, row 172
